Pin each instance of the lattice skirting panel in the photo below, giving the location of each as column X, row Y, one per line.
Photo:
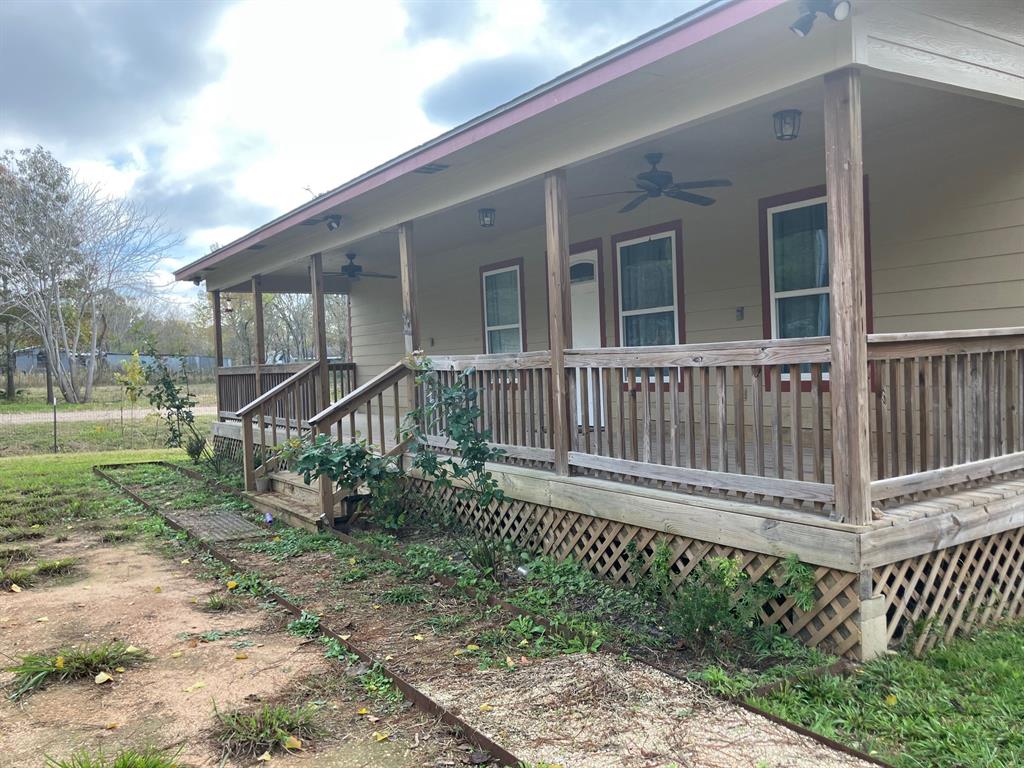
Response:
column 229, row 448
column 623, row 553
column 936, row 596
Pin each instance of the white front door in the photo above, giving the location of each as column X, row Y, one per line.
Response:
column 586, row 318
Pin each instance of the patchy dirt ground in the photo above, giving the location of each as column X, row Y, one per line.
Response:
column 125, row 593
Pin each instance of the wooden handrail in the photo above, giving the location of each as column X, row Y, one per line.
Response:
column 759, row 352
column 358, row 396
column 270, row 394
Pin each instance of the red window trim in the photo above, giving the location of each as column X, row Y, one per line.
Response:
column 796, row 196
column 675, row 226
column 519, row 263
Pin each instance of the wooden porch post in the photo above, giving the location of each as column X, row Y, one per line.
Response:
column 556, row 216
column 316, row 279
column 218, row 347
column 844, row 176
column 410, row 314
column 260, row 353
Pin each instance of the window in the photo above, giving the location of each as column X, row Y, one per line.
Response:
column 501, row 287
column 799, row 290
column 648, row 298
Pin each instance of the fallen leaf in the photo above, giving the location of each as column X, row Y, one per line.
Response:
column 43, row 618
column 458, row 652
column 472, row 647
column 102, row 677
column 132, row 649
column 418, row 638
column 194, row 687
column 232, row 585
column 890, row 699
column 292, row 743
column 111, row 726
column 378, row 736
column 523, row 643
column 186, row 561
column 362, row 711
column 376, row 606
column 509, row 663
column 486, row 708
column 241, row 656
column 119, row 669
column 265, row 757
column 175, row 654
column 59, row 663
column 373, row 719
column 157, row 589
column 15, row 588
column 345, row 637
column 389, row 657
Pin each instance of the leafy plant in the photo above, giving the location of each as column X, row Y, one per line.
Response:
column 221, row 603
column 170, row 396
column 307, row 625
column 380, row 687
column 406, row 594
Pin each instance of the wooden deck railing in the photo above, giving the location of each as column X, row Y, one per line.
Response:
column 724, row 416
column 514, row 398
column 948, row 407
column 236, row 385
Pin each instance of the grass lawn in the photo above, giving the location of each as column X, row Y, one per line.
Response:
column 77, row 436
column 959, row 705
column 105, row 397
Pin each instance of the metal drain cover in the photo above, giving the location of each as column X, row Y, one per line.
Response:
column 214, row 526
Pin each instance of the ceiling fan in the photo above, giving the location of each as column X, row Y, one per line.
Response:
column 658, row 183
column 355, row 271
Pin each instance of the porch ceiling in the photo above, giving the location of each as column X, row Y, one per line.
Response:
column 731, row 146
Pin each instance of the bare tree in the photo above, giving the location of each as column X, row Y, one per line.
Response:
column 66, row 249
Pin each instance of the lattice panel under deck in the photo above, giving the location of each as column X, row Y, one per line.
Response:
column 607, row 548
column 939, row 595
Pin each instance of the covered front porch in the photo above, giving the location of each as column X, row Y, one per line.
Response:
column 828, row 361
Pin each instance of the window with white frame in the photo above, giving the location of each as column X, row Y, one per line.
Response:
column 648, row 304
column 798, row 285
column 503, row 326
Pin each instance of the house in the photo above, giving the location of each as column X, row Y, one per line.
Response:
column 729, row 288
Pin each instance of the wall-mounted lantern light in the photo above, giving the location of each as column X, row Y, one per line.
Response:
column 487, row 217
column 333, row 222
column 787, row 124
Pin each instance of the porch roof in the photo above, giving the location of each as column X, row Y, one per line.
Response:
column 708, row 20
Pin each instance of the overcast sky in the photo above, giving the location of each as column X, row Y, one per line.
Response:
column 220, row 115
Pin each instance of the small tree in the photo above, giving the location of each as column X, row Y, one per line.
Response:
column 132, row 378
column 170, row 395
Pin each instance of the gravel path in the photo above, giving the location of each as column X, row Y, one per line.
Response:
column 35, row 417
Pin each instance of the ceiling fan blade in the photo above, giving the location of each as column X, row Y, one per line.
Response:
column 702, row 184
column 689, row 197
column 377, row 274
column 608, row 194
column 633, row 203
column 647, row 186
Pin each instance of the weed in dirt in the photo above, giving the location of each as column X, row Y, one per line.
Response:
column 16, row 553
column 28, row 575
column 381, row 688
column 407, row 594
column 36, row 670
column 447, row 622
column 21, row 533
column 117, row 536
column 333, row 649
column 251, row 733
column 307, row 625
column 292, row 542
column 221, row 603
column 128, row 758
column 212, row 635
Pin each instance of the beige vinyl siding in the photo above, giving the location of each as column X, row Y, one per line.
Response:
column 947, row 240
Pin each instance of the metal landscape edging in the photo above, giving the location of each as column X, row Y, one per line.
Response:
column 419, row 699
column 841, row 668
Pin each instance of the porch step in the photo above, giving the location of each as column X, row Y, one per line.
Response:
column 288, row 509
column 292, row 484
